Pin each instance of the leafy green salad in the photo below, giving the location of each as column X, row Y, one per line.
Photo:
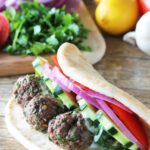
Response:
column 36, row 29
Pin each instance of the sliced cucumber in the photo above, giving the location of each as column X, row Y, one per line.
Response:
column 58, row 92
column 104, row 141
column 67, row 101
column 37, row 63
column 98, row 136
column 49, row 82
column 55, row 89
column 114, row 131
column 87, row 110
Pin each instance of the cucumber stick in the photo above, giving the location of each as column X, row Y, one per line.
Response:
column 114, row 131
column 37, row 63
column 53, row 87
column 89, row 112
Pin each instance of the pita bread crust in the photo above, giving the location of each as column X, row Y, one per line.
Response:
column 21, row 130
column 75, row 65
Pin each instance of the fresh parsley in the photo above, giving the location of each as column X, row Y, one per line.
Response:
column 36, row 29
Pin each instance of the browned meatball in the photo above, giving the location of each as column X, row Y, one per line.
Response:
column 27, row 87
column 40, row 110
column 69, row 131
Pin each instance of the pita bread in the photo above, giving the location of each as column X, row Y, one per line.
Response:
column 76, row 66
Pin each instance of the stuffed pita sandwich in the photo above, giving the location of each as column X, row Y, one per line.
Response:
column 68, row 105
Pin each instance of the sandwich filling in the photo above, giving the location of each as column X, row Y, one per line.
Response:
column 105, row 117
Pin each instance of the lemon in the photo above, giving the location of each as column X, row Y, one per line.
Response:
column 97, row 1
column 117, row 16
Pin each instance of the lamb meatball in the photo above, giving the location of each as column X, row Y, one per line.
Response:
column 26, row 88
column 40, row 110
column 68, row 130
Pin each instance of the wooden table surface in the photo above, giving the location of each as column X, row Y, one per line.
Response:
column 123, row 65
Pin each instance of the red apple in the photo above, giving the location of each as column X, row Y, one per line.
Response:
column 4, row 29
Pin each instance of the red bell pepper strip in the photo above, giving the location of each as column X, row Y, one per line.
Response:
column 133, row 123
column 54, row 59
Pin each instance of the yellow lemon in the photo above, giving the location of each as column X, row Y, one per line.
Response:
column 97, row 1
column 117, row 16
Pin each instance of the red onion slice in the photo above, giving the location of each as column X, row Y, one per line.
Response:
column 50, row 73
column 48, row 2
column 76, row 89
column 88, row 99
column 12, row 3
column 108, row 99
column 71, row 5
column 2, row 5
column 60, row 3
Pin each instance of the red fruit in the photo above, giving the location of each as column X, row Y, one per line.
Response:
column 4, row 29
column 144, row 6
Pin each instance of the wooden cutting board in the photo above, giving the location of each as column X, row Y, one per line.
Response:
column 15, row 65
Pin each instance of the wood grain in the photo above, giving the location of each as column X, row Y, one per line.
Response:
column 123, row 65
column 15, row 65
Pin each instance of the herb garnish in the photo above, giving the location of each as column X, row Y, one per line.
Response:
column 36, row 29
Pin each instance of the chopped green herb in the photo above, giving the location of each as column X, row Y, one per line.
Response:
column 37, row 29
column 105, row 142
